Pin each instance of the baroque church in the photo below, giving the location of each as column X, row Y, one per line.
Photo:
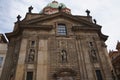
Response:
column 56, row 45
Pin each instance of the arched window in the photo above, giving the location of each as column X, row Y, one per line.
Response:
column 61, row 29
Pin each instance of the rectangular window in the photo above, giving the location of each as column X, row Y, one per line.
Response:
column 99, row 75
column 61, row 29
column 1, row 60
column 29, row 75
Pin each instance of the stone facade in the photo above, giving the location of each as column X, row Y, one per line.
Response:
column 58, row 46
column 3, row 51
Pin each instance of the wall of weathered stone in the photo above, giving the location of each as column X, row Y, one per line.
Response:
column 3, row 52
column 49, row 62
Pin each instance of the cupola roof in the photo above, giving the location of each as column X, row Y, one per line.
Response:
column 55, row 4
column 55, row 7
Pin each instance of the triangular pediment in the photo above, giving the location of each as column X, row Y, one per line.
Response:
column 60, row 15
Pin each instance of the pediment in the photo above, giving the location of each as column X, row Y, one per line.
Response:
column 63, row 16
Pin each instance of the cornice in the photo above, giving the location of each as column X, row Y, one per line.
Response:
column 21, row 27
column 38, row 27
column 82, row 27
column 91, row 28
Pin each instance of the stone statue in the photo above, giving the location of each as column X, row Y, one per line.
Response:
column 64, row 56
column 30, row 9
column 95, row 21
column 60, row 8
column 31, row 55
column 93, row 55
column 18, row 18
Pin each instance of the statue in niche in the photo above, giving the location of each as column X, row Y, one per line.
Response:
column 64, row 55
column 93, row 55
column 31, row 55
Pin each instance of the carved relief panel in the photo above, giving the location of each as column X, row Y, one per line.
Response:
column 63, row 56
column 31, row 53
column 93, row 51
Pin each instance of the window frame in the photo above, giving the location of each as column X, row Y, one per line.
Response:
column 27, row 75
column 98, row 73
column 61, row 29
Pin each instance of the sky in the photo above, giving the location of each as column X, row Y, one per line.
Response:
column 106, row 12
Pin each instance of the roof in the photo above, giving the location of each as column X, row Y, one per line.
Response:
column 2, row 39
column 55, row 7
column 55, row 4
column 28, row 22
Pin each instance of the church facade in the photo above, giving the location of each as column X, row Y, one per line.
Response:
column 56, row 45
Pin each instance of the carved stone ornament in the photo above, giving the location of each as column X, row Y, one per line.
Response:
column 65, row 74
column 64, row 56
column 93, row 55
column 31, row 55
column 30, row 9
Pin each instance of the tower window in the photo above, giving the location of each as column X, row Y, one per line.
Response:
column 29, row 75
column 99, row 75
column 61, row 29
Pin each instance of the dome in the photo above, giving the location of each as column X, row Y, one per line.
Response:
column 54, row 6
column 63, row 5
